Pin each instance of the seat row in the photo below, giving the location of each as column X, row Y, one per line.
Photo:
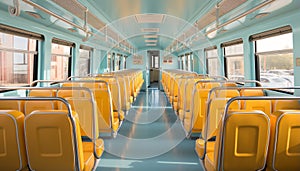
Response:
column 251, row 138
column 254, row 132
column 47, row 139
column 181, row 87
column 81, row 109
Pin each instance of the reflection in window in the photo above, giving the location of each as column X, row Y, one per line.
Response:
column 234, row 55
column 60, row 55
column 16, row 60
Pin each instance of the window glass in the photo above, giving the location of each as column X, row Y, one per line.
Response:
column 60, row 62
column 183, row 63
column 117, row 58
column 212, row 62
column 284, row 41
column 84, row 62
column 16, row 60
column 276, row 60
column 108, row 62
column 188, row 62
column 234, row 55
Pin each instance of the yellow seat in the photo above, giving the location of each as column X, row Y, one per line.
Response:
column 41, row 93
column 229, row 84
column 252, row 92
column 31, row 106
column 262, row 105
column 106, row 120
column 199, row 147
column 12, row 105
column 84, row 108
column 216, row 111
column 244, row 145
column 71, row 84
column 88, row 146
column 198, row 111
column 284, row 149
column 12, row 143
column 210, row 85
column 228, row 93
column 286, row 105
column 52, row 132
column 70, row 93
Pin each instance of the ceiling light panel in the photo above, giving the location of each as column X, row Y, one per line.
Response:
column 149, row 18
column 151, row 44
column 150, row 41
column 152, row 30
column 153, row 36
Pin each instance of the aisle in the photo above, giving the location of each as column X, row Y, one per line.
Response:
column 151, row 138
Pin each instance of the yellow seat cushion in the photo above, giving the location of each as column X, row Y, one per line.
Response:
column 88, row 161
column 89, row 147
column 199, row 147
column 115, row 125
column 209, row 161
column 131, row 99
column 122, row 116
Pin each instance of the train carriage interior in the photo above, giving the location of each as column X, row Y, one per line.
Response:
column 117, row 85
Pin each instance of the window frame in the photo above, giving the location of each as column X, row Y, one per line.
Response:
column 228, row 44
column 90, row 51
column 29, row 36
column 69, row 56
column 270, row 34
column 207, row 58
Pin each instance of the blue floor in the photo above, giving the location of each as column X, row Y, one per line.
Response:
column 151, row 138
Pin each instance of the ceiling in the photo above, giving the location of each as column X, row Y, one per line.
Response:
column 175, row 24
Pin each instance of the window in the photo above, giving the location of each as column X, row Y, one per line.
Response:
column 113, row 57
column 154, row 62
column 234, row 58
column 124, row 62
column 179, row 62
column 60, row 60
column 275, row 59
column 212, row 61
column 188, row 62
column 117, row 64
column 18, row 53
column 84, row 60
column 108, row 62
column 183, row 62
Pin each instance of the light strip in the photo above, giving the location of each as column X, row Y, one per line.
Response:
column 151, row 44
column 151, row 41
column 151, row 36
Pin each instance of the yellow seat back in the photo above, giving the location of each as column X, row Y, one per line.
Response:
column 49, row 141
column 12, row 105
column 284, row 150
column 262, row 105
column 12, row 144
column 229, row 93
column 251, row 92
column 216, row 112
column 104, row 109
column 286, row 105
column 31, row 106
column 245, row 143
column 41, row 93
